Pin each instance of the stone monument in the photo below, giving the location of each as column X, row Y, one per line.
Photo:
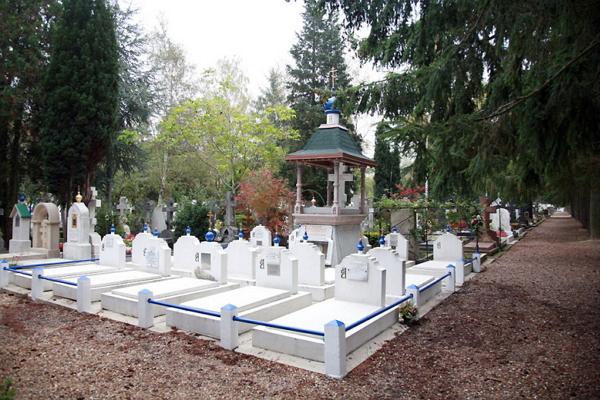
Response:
column 21, row 218
column 78, row 245
column 332, row 148
column 45, row 237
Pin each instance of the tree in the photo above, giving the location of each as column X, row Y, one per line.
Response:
column 81, row 91
column 318, row 50
column 275, row 93
column 24, row 41
column 266, row 198
column 228, row 139
column 489, row 90
column 387, row 155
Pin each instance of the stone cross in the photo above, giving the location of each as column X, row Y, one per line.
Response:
column 332, row 74
column 344, row 177
column 170, row 209
column 148, row 208
column 123, row 207
column 92, row 205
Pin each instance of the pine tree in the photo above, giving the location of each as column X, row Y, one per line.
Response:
column 387, row 155
column 319, row 49
column 81, row 96
column 275, row 93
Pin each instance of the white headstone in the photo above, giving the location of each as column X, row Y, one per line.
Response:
column 448, row 247
column 397, row 242
column 139, row 243
column 277, row 268
column 78, row 245
column 260, row 236
column 501, row 219
column 395, row 267
column 311, row 264
column 186, row 253
column 45, row 235
column 359, row 278
column 95, row 242
column 151, row 253
column 159, row 219
column 213, row 259
column 113, row 251
column 241, row 259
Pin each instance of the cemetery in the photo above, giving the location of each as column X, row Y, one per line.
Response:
column 407, row 207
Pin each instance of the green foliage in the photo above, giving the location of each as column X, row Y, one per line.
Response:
column 387, row 155
column 106, row 218
column 81, row 90
column 492, row 96
column 408, row 313
column 193, row 215
column 7, row 391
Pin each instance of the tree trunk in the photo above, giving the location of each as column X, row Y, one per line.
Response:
column 594, row 208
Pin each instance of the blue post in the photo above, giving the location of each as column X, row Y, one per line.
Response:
column 382, row 241
column 335, row 349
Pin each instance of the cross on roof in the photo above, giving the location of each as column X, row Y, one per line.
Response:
column 332, row 74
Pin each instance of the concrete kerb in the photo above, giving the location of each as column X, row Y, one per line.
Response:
column 145, row 314
column 229, row 327
column 37, row 286
column 84, row 294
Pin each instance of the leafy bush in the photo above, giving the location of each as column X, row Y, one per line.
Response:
column 408, row 313
column 7, row 391
column 193, row 215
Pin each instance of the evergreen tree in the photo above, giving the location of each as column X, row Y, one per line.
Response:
column 81, row 96
column 275, row 93
column 24, row 41
column 492, row 96
column 318, row 50
column 387, row 155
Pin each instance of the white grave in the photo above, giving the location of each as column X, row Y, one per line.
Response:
column 260, row 236
column 139, row 243
column 78, row 245
column 213, row 260
column 102, row 283
column 500, row 220
column 320, row 235
column 242, row 260
column 274, row 295
column 60, row 272
column 447, row 250
column 398, row 242
column 125, row 300
column 113, row 251
column 95, row 238
column 45, row 236
column 21, row 218
column 186, row 255
column 360, row 287
column 311, row 271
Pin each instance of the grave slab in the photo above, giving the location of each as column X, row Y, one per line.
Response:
column 178, row 290
column 254, row 302
column 105, row 283
column 67, row 271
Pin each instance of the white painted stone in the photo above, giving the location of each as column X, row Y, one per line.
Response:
column 95, row 243
column 4, row 274
column 152, row 254
column 335, row 349
column 241, row 259
column 186, row 254
column 78, row 245
column 145, row 312
column 359, row 278
column 37, row 285
column 448, row 247
column 113, row 251
column 214, row 260
column 414, row 291
column 277, row 268
column 84, row 294
column 395, row 267
column 319, row 235
column 451, row 285
column 397, row 242
column 260, row 236
column 229, row 327
column 501, row 219
column 311, row 264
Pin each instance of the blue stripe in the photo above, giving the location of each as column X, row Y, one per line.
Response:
column 58, row 280
column 185, row 308
column 424, row 288
column 54, row 263
column 17, row 271
column 379, row 312
column 277, row 326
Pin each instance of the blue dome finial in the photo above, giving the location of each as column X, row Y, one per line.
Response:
column 155, row 232
column 360, row 246
column 112, row 228
column 209, row 236
column 188, row 230
column 241, row 235
column 394, row 230
column 21, row 198
column 145, row 227
column 305, row 237
column 276, row 239
column 382, row 241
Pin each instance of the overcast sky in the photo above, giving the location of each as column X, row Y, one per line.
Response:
column 259, row 32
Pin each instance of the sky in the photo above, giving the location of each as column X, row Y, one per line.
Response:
column 259, row 33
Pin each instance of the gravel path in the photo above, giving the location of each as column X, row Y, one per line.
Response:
column 528, row 327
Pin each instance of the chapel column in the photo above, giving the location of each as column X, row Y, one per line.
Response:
column 298, row 205
column 335, row 209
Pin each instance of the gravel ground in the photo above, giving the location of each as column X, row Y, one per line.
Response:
column 526, row 328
